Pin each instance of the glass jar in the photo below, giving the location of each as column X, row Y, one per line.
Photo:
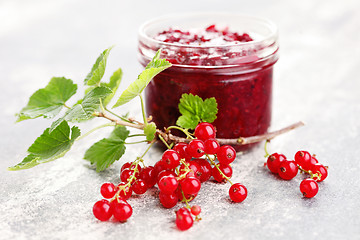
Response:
column 239, row 75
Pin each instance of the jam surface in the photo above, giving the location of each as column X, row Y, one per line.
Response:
column 243, row 97
column 210, row 36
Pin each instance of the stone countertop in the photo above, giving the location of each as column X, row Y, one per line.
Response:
column 316, row 80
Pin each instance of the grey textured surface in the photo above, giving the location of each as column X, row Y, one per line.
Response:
column 316, row 80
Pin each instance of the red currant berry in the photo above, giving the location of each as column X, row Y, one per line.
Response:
column 288, row 169
column 180, row 196
column 313, row 161
column 139, row 186
column 170, row 159
column 149, row 177
column 125, row 192
column 194, row 167
column 225, row 169
column 183, row 211
column 168, row 184
column 102, row 210
column 226, row 154
column 108, row 190
column 128, row 165
column 118, row 200
column 168, row 200
column 204, row 131
column 190, row 185
column 181, row 149
column 319, row 169
column 164, row 173
column 184, row 222
column 205, row 169
column 303, row 158
column 196, row 210
column 196, row 148
column 158, row 167
column 125, row 166
column 274, row 160
column 122, row 211
column 309, row 188
column 237, row 192
column 212, row 146
column 126, row 174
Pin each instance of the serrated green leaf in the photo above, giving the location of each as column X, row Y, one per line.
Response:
column 98, row 69
column 188, row 121
column 154, row 67
column 149, row 131
column 194, row 110
column 113, row 84
column 49, row 146
column 48, row 102
column 209, row 110
column 106, row 151
column 84, row 109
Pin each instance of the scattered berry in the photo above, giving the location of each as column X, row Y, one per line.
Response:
column 237, row 192
column 309, row 188
column 320, row 170
column 303, row 159
column 288, row 169
column 274, row 160
column 181, row 149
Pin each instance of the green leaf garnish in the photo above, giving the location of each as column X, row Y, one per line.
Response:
column 48, row 102
column 106, row 151
column 84, row 109
column 113, row 84
column 194, row 110
column 98, row 69
column 149, row 131
column 154, row 67
column 49, row 146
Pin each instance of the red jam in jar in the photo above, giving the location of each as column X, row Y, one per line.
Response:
column 231, row 61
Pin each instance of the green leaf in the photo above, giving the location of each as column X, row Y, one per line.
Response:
column 154, row 67
column 194, row 110
column 113, row 84
column 98, row 69
column 84, row 109
column 106, row 151
column 48, row 102
column 49, row 146
column 149, row 131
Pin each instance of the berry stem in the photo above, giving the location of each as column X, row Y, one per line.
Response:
column 181, row 129
column 136, row 142
column 316, row 176
column 265, row 148
column 94, row 129
column 217, row 167
column 116, row 115
column 163, row 140
column 185, row 200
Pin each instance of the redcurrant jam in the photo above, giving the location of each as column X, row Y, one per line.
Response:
column 234, row 66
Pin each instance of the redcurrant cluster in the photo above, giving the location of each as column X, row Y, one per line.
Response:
column 178, row 175
column 306, row 163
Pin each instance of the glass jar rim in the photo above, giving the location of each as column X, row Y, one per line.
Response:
column 271, row 26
